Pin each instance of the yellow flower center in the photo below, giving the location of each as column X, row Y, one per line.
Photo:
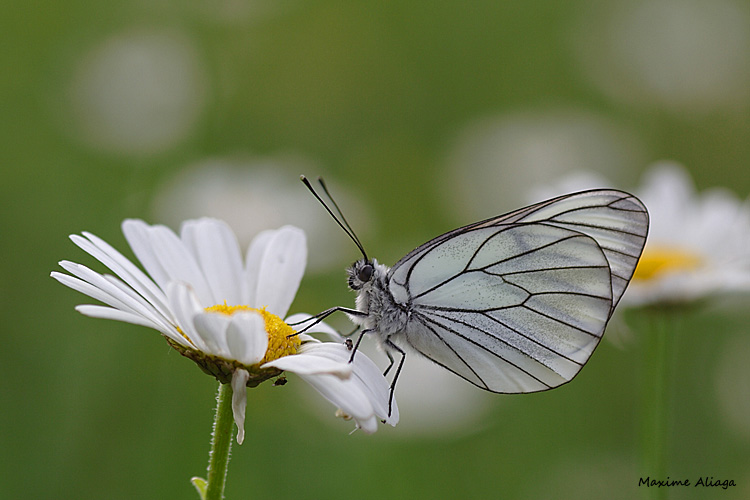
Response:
column 658, row 261
column 281, row 339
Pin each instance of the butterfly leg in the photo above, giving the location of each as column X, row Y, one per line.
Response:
column 396, row 348
column 359, row 339
column 392, row 362
column 390, row 346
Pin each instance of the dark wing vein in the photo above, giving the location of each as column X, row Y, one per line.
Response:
column 525, row 271
column 509, row 344
column 465, row 269
column 425, row 320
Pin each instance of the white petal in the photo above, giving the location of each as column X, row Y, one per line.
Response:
column 281, row 269
column 363, row 395
column 119, row 310
column 179, row 263
column 332, row 350
column 247, row 338
column 305, row 338
column 85, row 287
column 146, row 307
column 215, row 247
column 126, row 270
column 103, row 312
column 717, row 225
column 668, row 192
column 110, row 291
column 347, row 396
column 239, row 401
column 366, row 376
column 668, row 184
column 368, row 426
column 253, row 262
column 137, row 234
column 184, row 304
column 212, row 328
column 312, row 364
column 372, row 382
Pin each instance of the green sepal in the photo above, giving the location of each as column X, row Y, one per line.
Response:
column 201, row 485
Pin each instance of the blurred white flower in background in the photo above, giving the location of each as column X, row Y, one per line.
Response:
column 683, row 55
column 139, row 92
column 495, row 160
column 256, row 193
column 698, row 243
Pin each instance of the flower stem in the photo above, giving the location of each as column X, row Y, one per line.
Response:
column 221, row 444
column 656, row 397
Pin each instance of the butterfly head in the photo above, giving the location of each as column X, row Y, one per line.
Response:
column 360, row 273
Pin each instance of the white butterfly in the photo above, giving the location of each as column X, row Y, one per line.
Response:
column 513, row 304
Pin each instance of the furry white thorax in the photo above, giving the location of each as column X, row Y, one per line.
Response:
column 384, row 316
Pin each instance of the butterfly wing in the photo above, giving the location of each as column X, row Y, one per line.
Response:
column 518, row 303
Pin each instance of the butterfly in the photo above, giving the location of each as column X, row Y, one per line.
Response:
column 513, row 304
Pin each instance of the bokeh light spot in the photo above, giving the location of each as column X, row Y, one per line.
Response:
column 139, row 92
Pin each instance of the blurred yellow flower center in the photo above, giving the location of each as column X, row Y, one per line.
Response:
column 658, row 261
column 281, row 339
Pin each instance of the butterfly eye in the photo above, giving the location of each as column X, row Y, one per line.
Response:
column 365, row 273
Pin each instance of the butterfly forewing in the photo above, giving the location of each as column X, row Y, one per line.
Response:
column 618, row 222
column 519, row 302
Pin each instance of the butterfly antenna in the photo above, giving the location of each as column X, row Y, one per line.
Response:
column 343, row 225
column 343, row 219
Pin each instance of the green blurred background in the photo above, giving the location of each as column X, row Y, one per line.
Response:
column 130, row 109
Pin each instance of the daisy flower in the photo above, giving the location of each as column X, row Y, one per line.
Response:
column 225, row 313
